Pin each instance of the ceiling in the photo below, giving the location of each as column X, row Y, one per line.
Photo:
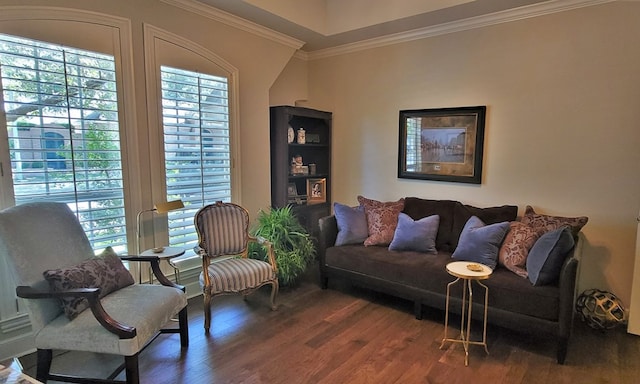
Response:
column 327, row 24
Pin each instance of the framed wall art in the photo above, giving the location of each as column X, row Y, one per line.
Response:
column 444, row 144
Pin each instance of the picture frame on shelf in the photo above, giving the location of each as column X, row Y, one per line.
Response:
column 444, row 144
column 313, row 138
column 292, row 190
column 316, row 190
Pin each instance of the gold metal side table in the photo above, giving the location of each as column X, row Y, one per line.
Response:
column 468, row 272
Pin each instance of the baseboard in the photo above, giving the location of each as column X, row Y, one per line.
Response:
column 18, row 346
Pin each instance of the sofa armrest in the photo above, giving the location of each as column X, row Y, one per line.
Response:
column 328, row 233
column 568, row 289
column 567, row 296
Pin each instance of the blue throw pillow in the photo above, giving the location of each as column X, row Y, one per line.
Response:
column 352, row 224
column 547, row 255
column 415, row 235
column 480, row 242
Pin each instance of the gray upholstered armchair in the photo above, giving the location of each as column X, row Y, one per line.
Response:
column 102, row 310
column 223, row 237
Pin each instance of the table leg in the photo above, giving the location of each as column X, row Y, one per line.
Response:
column 486, row 306
column 446, row 313
column 465, row 317
column 466, row 339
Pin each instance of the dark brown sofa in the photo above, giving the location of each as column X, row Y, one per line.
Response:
column 514, row 302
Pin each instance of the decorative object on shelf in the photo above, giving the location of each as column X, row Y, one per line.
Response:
column 301, row 136
column 292, row 190
column 163, row 207
column 444, row 144
column 290, row 135
column 292, row 244
column 296, row 165
column 313, row 138
column 316, row 191
column 312, row 169
column 600, row 309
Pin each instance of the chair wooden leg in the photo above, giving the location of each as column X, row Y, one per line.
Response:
column 184, row 327
column 131, row 369
column 43, row 364
column 274, row 294
column 207, row 312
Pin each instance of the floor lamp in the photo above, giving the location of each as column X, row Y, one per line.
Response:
column 163, row 207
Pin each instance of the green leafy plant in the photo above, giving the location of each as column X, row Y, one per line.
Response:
column 292, row 244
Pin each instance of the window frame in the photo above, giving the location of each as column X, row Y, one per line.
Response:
column 159, row 50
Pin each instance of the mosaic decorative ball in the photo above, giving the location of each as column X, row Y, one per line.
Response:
column 600, row 309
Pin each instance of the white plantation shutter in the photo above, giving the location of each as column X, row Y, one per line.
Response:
column 64, row 140
column 195, row 111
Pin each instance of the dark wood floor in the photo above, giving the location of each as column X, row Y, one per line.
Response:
column 352, row 335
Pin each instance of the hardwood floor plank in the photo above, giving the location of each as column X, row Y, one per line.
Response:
column 352, row 335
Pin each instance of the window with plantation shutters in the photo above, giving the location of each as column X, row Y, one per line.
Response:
column 62, row 120
column 195, row 113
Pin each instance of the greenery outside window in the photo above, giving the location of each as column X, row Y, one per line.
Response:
column 64, row 142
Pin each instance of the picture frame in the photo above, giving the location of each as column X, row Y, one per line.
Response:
column 443, row 144
column 292, row 190
column 316, row 190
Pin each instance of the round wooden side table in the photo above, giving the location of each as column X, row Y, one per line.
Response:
column 468, row 272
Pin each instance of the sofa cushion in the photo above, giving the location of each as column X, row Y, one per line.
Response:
column 548, row 254
column 382, row 219
column 515, row 247
column 415, row 235
column 414, row 269
column 480, row 242
column 546, row 223
column 489, row 215
column 428, row 273
column 105, row 271
column 418, row 208
column 352, row 224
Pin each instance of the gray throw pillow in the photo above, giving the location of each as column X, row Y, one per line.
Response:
column 548, row 254
column 415, row 235
column 480, row 242
column 352, row 224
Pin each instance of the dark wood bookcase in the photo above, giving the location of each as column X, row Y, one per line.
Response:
column 291, row 185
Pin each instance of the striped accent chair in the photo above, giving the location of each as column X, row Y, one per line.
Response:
column 223, row 238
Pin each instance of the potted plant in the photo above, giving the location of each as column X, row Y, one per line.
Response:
column 292, row 244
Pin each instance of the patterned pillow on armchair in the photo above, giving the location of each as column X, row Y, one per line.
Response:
column 104, row 271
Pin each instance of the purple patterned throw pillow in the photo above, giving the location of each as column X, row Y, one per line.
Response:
column 382, row 219
column 515, row 247
column 546, row 223
column 105, row 271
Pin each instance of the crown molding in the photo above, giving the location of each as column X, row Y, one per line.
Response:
column 516, row 14
column 236, row 22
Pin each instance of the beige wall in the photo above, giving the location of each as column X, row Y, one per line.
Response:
column 291, row 87
column 562, row 131
column 259, row 62
column 562, row 93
